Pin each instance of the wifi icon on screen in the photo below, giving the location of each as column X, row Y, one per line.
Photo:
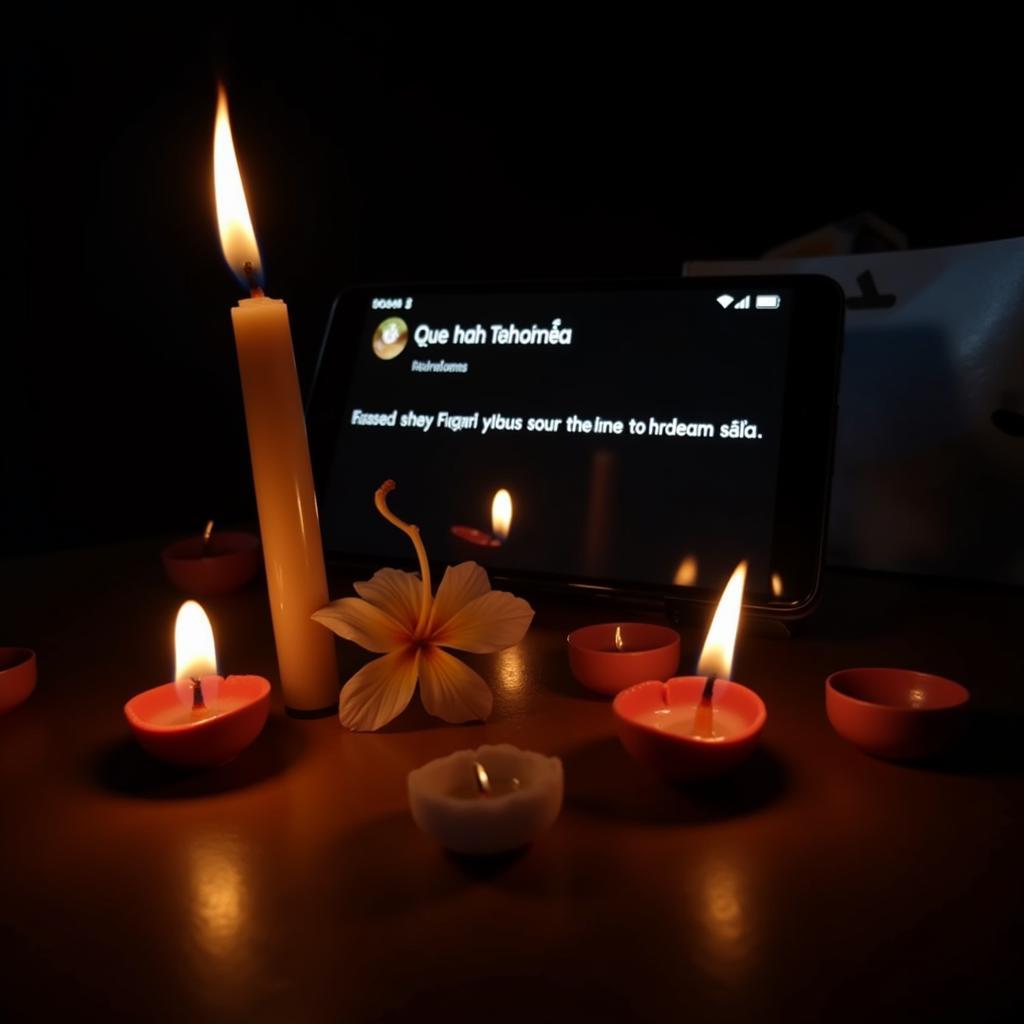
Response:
column 725, row 301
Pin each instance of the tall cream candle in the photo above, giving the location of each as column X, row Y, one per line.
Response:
column 279, row 449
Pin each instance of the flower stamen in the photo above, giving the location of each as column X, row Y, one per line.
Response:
column 380, row 499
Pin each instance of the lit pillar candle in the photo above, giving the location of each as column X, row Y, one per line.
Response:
column 285, row 498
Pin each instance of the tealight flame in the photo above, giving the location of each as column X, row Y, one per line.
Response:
column 618, row 638
column 195, row 653
column 686, row 574
column 237, row 238
column 483, row 780
column 501, row 514
column 776, row 585
column 716, row 657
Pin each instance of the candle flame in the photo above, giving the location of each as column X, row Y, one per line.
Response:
column 483, row 780
column 501, row 514
column 618, row 638
column 237, row 238
column 776, row 585
column 195, row 653
column 716, row 657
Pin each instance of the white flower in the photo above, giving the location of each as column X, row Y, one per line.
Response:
column 397, row 616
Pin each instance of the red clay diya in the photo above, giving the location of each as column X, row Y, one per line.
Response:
column 611, row 656
column 214, row 563
column 896, row 713
column 202, row 719
column 696, row 727
column 167, row 727
column 17, row 676
column 657, row 724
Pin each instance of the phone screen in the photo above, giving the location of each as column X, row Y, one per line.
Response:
column 622, row 437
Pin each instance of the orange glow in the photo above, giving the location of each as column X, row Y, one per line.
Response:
column 501, row 514
column 716, row 657
column 237, row 238
column 776, row 585
column 686, row 574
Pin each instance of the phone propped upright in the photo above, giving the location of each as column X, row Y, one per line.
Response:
column 639, row 437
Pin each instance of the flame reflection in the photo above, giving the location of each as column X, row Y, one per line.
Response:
column 219, row 897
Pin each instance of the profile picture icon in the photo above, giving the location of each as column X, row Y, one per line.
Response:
column 390, row 338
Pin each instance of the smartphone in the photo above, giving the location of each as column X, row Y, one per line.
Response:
column 640, row 438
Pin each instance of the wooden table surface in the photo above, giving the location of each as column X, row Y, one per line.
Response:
column 292, row 885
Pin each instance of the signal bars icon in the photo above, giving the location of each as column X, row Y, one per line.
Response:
column 744, row 303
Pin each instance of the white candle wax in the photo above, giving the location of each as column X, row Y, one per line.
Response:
column 286, row 501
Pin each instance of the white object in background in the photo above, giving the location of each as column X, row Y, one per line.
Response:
column 929, row 468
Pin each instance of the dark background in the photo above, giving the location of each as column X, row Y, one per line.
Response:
column 398, row 147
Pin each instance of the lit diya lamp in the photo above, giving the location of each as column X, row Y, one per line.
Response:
column 696, row 727
column 611, row 656
column 501, row 522
column 201, row 718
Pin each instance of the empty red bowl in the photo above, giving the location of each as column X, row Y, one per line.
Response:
column 229, row 561
column 896, row 713
column 648, row 652
column 17, row 676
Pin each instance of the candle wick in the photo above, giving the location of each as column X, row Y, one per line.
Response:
column 703, row 718
column 250, row 276
column 709, row 689
column 198, row 701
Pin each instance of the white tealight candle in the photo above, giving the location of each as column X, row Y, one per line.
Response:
column 489, row 800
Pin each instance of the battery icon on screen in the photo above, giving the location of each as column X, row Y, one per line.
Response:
column 767, row 302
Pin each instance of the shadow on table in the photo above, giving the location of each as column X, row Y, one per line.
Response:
column 992, row 747
column 386, row 867
column 603, row 780
column 414, row 718
column 125, row 768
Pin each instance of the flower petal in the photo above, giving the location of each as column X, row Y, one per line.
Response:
column 380, row 691
column 395, row 592
column 461, row 584
column 490, row 623
column 452, row 690
column 357, row 620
